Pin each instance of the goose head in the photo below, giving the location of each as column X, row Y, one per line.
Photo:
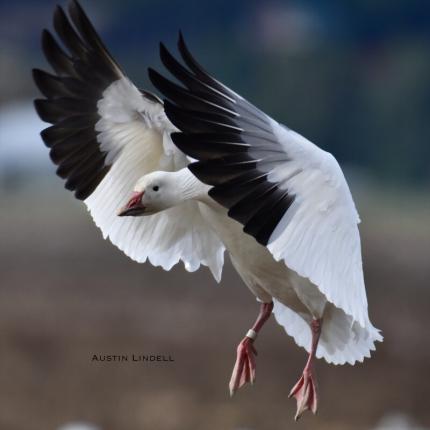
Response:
column 152, row 193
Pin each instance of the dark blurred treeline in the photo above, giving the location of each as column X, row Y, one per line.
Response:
column 352, row 76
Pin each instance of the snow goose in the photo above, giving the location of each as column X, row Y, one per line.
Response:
column 205, row 171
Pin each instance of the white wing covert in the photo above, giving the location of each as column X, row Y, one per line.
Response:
column 289, row 195
column 318, row 236
column 106, row 134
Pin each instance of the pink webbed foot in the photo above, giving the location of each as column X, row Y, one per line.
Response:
column 244, row 368
column 306, row 393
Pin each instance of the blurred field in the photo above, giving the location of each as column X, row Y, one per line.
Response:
column 66, row 294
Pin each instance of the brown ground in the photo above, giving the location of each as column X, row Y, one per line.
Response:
column 66, row 294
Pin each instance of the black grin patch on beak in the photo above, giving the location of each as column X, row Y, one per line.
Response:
column 133, row 211
column 134, row 207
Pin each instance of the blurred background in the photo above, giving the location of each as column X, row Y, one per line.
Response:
column 354, row 77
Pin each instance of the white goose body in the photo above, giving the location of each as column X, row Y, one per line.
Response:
column 206, row 171
column 264, row 276
column 297, row 300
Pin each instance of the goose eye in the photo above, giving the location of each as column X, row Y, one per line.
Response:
column 156, row 188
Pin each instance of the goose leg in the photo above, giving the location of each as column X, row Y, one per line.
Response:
column 306, row 390
column 244, row 368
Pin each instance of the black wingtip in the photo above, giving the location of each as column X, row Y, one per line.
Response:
column 164, row 54
column 40, row 107
column 75, row 9
column 154, row 76
column 182, row 46
column 58, row 17
column 87, row 32
column 163, row 50
column 181, row 40
column 58, row 9
column 44, row 134
column 74, row 5
column 159, row 81
column 45, row 34
column 48, row 42
column 37, row 75
column 189, row 60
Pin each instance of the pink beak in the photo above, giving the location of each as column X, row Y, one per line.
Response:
column 134, row 206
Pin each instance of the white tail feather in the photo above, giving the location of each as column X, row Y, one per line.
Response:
column 342, row 339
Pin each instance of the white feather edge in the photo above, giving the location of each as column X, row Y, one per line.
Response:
column 135, row 133
column 318, row 237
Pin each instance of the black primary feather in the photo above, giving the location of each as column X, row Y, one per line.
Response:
column 83, row 69
column 232, row 140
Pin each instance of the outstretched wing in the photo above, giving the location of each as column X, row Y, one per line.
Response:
column 288, row 194
column 106, row 134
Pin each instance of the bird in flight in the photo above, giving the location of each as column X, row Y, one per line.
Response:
column 201, row 171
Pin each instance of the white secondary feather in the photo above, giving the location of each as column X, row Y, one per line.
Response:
column 135, row 133
column 318, row 237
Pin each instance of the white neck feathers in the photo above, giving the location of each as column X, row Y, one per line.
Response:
column 189, row 187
